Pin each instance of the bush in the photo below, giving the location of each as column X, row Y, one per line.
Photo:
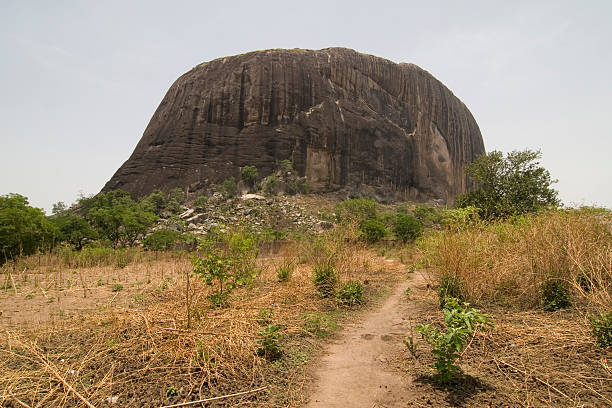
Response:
column 429, row 216
column 249, row 175
column 460, row 218
column 284, row 272
column 161, row 240
column 373, row 230
column 555, row 295
column 272, row 184
column 356, row 210
column 268, row 342
column 406, row 227
column 462, row 323
column 200, row 203
column 325, row 278
column 602, row 329
column 229, row 188
column 509, row 186
column 350, row 294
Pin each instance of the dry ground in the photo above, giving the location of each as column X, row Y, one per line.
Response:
column 132, row 348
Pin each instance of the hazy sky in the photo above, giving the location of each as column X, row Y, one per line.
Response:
column 79, row 80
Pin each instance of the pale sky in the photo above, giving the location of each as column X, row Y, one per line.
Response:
column 79, row 80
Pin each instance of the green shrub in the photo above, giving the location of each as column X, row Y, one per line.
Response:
column 229, row 188
column 460, row 218
column 161, row 240
column 325, row 278
column 268, row 342
column 602, row 329
column 429, row 216
column 356, row 210
column 373, row 230
column 286, row 166
column 215, row 270
column 272, row 184
column 117, row 288
column 284, row 272
column 200, row 202
column 555, row 295
column 462, row 323
column 350, row 294
column 407, row 227
column 249, row 175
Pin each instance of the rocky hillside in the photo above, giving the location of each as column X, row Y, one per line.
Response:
column 347, row 121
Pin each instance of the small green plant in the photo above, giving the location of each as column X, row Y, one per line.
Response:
column 602, row 328
column 462, row 323
column 284, row 272
column 350, row 294
column 171, row 391
column 264, row 315
column 407, row 292
column 411, row 345
column 215, row 271
column 555, row 295
column 268, row 342
column 319, row 325
column 117, row 287
column 325, row 278
column 373, row 230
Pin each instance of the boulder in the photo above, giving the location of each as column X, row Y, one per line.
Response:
column 347, row 121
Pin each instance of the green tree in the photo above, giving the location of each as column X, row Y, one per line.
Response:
column 250, row 175
column 23, row 229
column 160, row 240
column 117, row 218
column 73, row 229
column 511, row 185
column 156, row 202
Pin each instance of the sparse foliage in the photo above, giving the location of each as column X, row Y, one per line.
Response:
column 461, row 325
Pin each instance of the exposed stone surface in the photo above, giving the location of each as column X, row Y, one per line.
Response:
column 346, row 120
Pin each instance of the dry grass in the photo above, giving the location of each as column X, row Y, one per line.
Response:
column 140, row 355
column 507, row 262
column 530, row 359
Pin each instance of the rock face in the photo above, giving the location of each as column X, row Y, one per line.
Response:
column 347, row 121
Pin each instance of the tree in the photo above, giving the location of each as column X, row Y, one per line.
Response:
column 118, row 218
column 23, row 229
column 250, row 175
column 511, row 185
column 73, row 229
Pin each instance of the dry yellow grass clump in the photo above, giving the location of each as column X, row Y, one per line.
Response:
column 511, row 262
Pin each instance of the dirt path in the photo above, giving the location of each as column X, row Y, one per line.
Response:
column 358, row 369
